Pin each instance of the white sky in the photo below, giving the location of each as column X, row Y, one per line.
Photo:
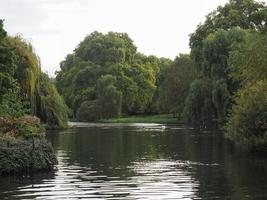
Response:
column 55, row 27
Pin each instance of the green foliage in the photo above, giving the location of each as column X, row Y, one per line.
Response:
column 106, row 49
column 109, row 98
column 98, row 57
column 51, row 107
column 27, row 130
column 216, row 48
column 220, row 99
column 175, row 86
column 2, row 31
column 143, row 86
column 211, row 45
column 247, row 122
column 12, row 104
column 24, row 155
column 246, row 14
column 7, row 63
column 229, row 50
column 88, row 111
column 199, row 109
column 28, row 68
column 248, row 59
column 215, row 69
column 23, row 87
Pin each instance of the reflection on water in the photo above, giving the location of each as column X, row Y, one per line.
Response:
column 142, row 162
column 159, row 179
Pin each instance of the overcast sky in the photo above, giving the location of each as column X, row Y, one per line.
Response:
column 55, row 27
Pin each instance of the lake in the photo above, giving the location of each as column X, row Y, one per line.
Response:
column 142, row 161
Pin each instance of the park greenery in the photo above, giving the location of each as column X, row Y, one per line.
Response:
column 29, row 101
column 105, row 76
column 24, row 88
column 220, row 84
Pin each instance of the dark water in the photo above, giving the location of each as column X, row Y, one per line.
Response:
column 143, row 162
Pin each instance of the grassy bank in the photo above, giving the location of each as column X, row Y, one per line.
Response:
column 161, row 119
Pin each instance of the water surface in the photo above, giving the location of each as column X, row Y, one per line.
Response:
column 142, row 161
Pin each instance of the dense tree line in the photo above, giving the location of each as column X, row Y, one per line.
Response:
column 106, row 76
column 229, row 50
column 24, row 88
column 221, row 83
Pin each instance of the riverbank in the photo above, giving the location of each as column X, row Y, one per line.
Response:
column 160, row 119
column 23, row 147
column 25, row 156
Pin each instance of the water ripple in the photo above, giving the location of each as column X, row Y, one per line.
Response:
column 157, row 179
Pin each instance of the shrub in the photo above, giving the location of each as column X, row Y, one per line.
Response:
column 247, row 123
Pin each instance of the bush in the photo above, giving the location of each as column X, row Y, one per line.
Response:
column 88, row 111
column 199, row 110
column 247, row 123
column 22, row 156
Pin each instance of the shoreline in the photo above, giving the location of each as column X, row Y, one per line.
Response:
column 20, row 156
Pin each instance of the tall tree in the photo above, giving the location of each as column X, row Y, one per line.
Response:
column 114, row 54
column 23, row 87
column 247, row 122
column 245, row 14
column 175, row 86
column 210, row 46
column 215, row 70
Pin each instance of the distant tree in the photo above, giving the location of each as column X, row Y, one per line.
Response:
column 199, row 109
column 144, row 78
column 175, row 86
column 109, row 97
column 106, row 49
column 88, row 112
column 51, row 107
column 114, row 54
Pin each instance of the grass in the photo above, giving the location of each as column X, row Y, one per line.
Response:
column 160, row 119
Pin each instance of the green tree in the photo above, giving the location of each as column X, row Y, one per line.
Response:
column 199, row 109
column 215, row 69
column 247, row 122
column 175, row 86
column 245, row 14
column 7, row 63
column 109, row 97
column 51, row 107
column 114, row 54
column 11, row 103
column 88, row 111
column 106, row 49
column 28, row 69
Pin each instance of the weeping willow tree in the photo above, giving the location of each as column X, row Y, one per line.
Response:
column 35, row 87
column 51, row 107
column 28, row 69
column 7, row 63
